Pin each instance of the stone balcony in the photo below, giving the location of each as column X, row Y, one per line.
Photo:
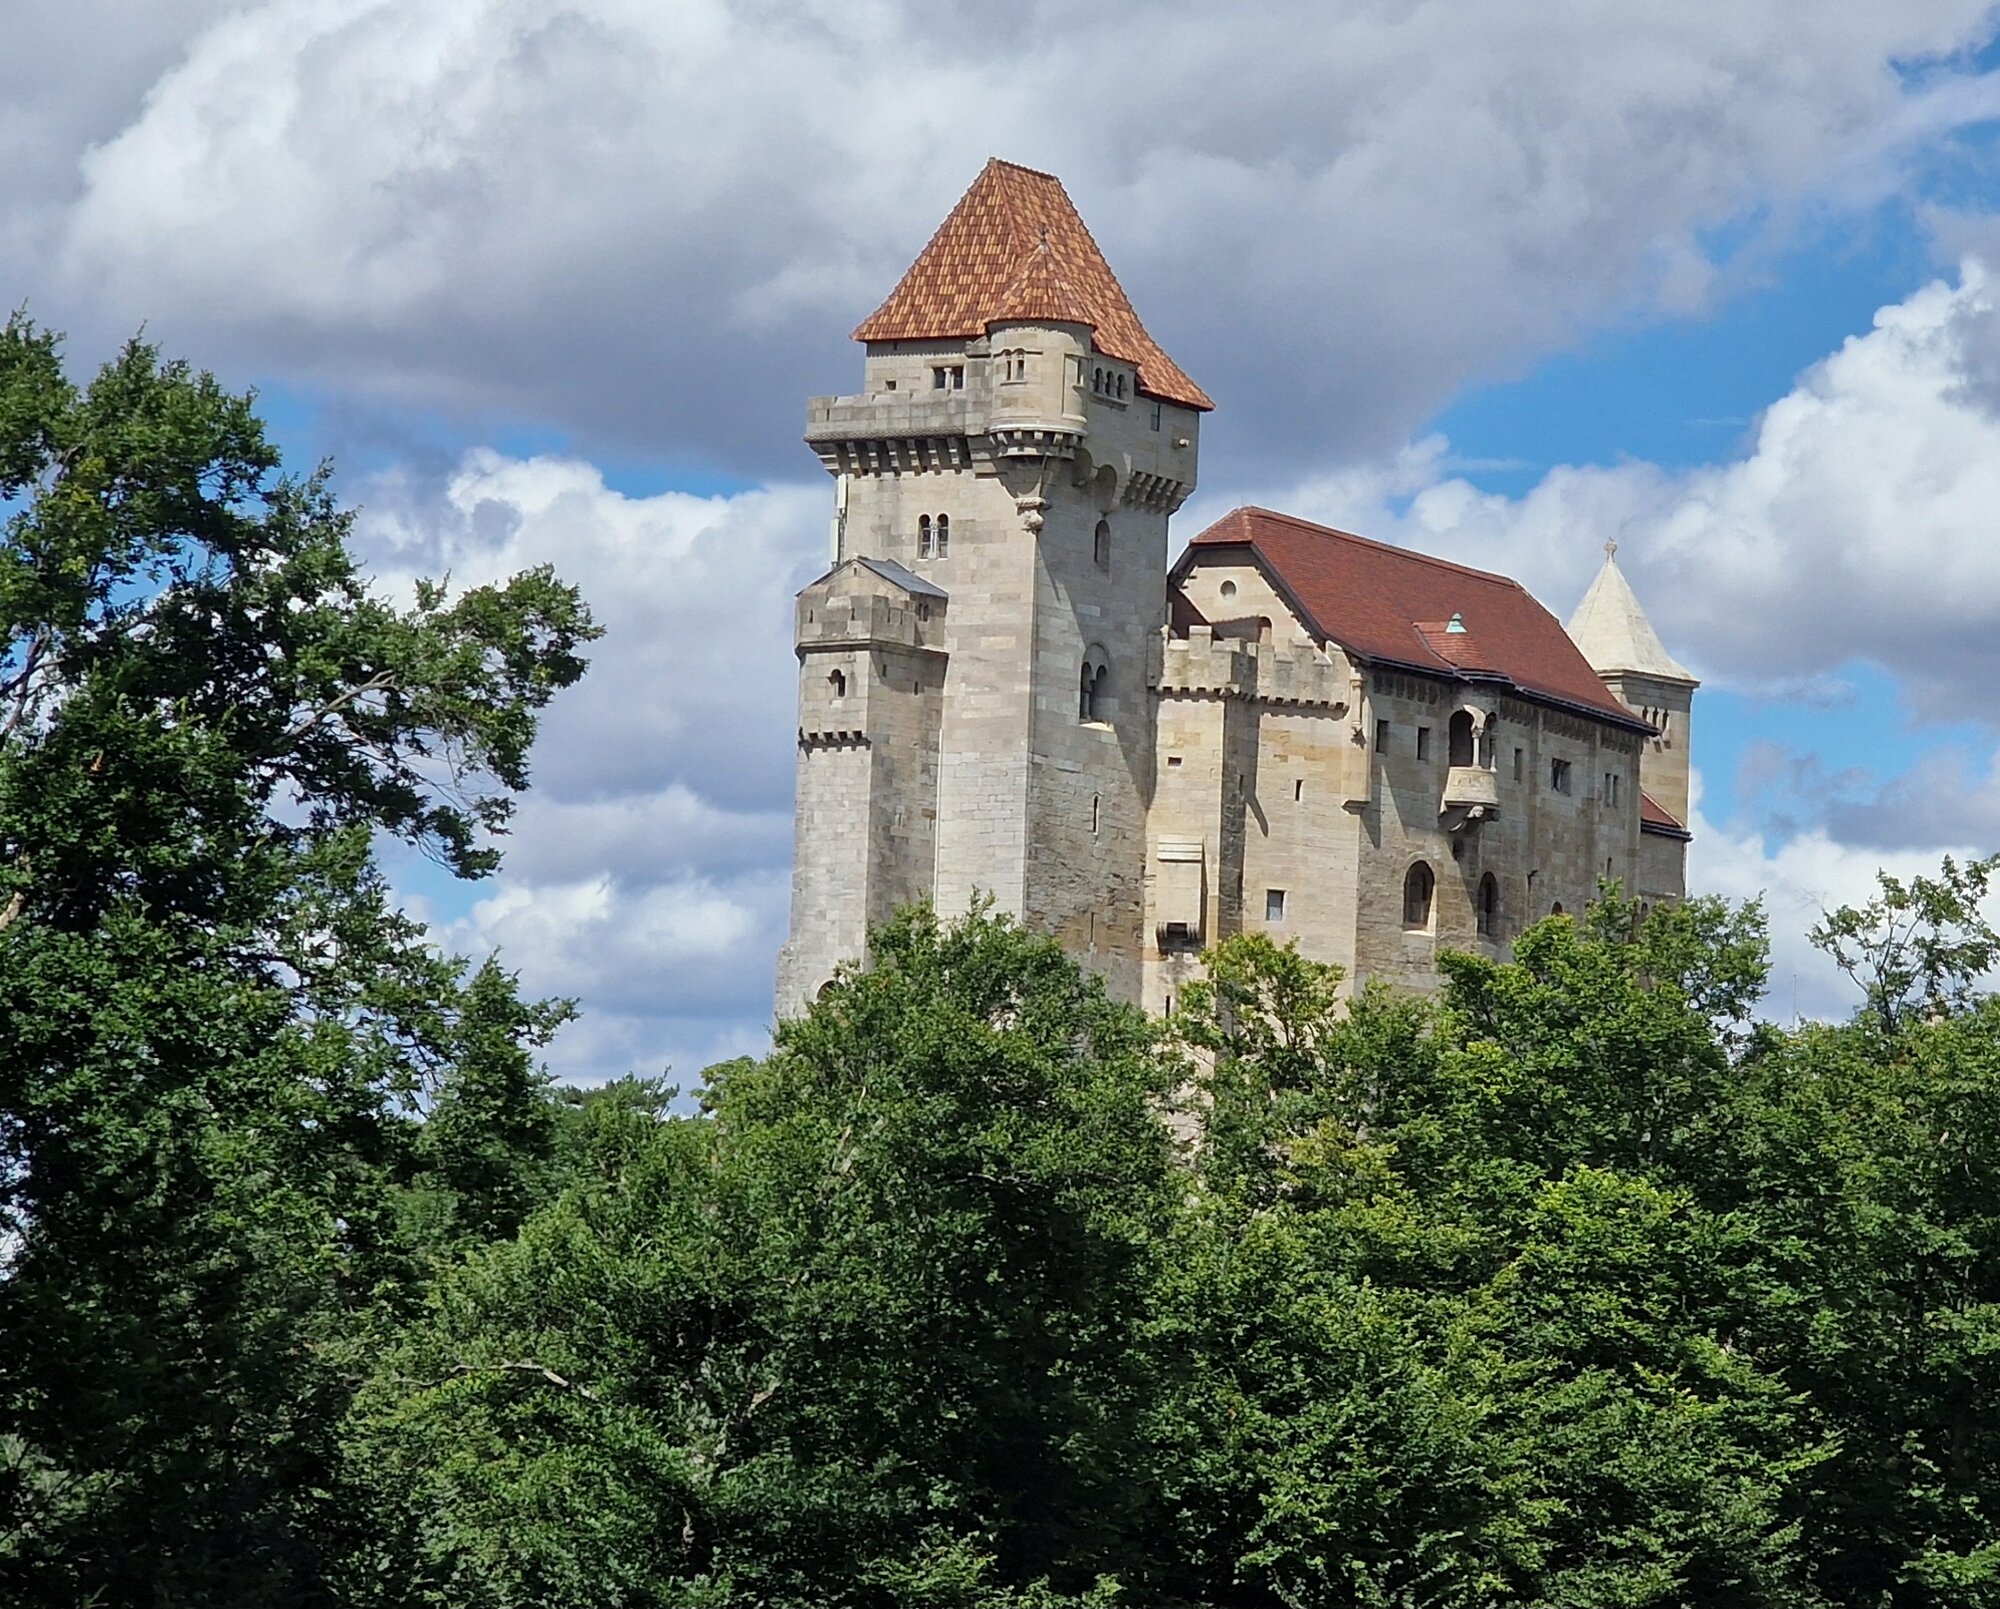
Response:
column 1471, row 793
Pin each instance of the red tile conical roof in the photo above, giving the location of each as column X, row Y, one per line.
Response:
column 1014, row 247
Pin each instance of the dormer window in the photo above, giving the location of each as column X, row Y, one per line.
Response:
column 948, row 377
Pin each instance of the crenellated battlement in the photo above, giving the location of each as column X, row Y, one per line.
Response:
column 862, row 620
column 1202, row 664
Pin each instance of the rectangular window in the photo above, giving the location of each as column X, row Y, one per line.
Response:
column 1381, row 737
column 1173, row 762
column 1274, row 904
column 1156, row 416
column 1559, row 775
column 1520, row 764
column 1423, row 743
column 937, row 379
column 1611, row 787
column 949, row 377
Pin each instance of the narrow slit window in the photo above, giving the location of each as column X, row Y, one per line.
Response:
column 1382, row 737
column 1423, row 743
column 1298, row 788
column 943, row 537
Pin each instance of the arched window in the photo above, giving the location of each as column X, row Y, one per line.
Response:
column 925, row 547
column 1121, row 386
column 1459, row 738
column 1093, row 694
column 1489, row 905
column 837, row 684
column 1556, row 909
column 1097, row 379
column 943, row 536
column 1418, row 885
column 1101, row 545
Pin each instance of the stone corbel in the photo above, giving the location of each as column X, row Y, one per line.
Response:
column 1033, row 509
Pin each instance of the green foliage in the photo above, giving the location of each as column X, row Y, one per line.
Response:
column 1574, row 1285
column 215, row 1029
column 860, row 1331
column 1920, row 947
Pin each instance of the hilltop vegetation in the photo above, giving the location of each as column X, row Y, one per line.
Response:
column 1577, row 1285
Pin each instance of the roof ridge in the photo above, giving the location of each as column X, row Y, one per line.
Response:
column 1415, row 554
column 1022, row 167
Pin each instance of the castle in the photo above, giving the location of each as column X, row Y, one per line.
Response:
column 1005, row 690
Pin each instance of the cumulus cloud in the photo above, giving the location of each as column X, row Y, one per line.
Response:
column 648, row 871
column 652, row 225
column 1859, row 525
column 1799, row 878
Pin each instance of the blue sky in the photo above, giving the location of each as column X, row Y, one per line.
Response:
column 551, row 280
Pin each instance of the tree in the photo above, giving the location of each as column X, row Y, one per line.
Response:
column 1459, row 1327
column 214, row 1025
column 1919, row 948
column 868, row 1329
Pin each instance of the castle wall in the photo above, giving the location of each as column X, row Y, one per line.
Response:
column 1662, row 873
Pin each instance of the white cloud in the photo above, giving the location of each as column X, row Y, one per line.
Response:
column 655, row 224
column 1861, row 524
column 648, row 871
column 1799, row 879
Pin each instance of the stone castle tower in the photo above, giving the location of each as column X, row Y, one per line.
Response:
column 1004, row 691
column 973, row 711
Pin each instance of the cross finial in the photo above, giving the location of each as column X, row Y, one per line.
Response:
column 1611, row 548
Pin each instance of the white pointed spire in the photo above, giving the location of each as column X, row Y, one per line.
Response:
column 1613, row 631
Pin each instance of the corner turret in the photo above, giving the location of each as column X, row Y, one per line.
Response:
column 1612, row 631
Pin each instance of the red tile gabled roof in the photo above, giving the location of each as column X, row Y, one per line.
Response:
column 1014, row 247
column 1390, row 605
column 1655, row 818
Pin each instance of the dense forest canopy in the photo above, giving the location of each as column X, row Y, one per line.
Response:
column 1577, row 1284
